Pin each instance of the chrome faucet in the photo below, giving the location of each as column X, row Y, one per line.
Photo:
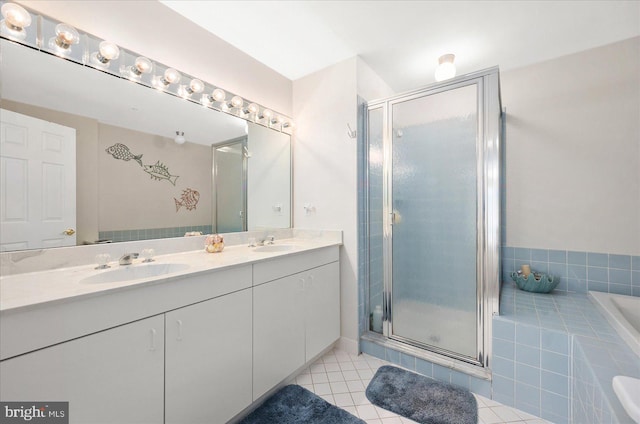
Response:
column 271, row 239
column 127, row 258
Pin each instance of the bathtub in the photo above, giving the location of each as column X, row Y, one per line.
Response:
column 623, row 313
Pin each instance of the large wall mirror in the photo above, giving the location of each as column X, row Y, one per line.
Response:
column 88, row 157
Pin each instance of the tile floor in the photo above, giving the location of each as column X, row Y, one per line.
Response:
column 341, row 379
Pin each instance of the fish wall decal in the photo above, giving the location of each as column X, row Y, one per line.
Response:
column 189, row 199
column 159, row 172
column 122, row 152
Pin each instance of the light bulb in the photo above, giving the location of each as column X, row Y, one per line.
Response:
column 253, row 108
column 107, row 51
column 218, row 95
column 16, row 18
column 171, row 76
column 196, row 86
column 446, row 69
column 205, row 100
column 66, row 36
column 237, row 101
column 267, row 114
column 142, row 65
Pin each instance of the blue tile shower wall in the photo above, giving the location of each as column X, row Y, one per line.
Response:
column 579, row 272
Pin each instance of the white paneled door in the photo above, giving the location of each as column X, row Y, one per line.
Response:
column 37, row 183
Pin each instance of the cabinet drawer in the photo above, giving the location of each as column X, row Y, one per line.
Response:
column 293, row 264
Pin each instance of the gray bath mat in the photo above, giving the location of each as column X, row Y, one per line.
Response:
column 296, row 405
column 420, row 398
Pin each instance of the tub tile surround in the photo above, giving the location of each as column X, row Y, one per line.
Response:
column 20, row 262
column 555, row 356
column 579, row 272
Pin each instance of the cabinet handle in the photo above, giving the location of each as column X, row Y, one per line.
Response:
column 311, row 278
column 153, row 339
column 179, row 322
column 301, row 285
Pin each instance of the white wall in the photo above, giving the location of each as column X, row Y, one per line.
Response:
column 573, row 151
column 154, row 30
column 324, row 169
column 325, row 165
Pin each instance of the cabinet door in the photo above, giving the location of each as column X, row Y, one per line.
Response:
column 278, row 331
column 113, row 376
column 322, row 307
column 208, row 360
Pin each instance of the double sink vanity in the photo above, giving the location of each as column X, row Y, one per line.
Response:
column 189, row 338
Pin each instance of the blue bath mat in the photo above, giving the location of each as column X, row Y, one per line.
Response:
column 420, row 398
column 296, row 405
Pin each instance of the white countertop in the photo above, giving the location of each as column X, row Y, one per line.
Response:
column 28, row 290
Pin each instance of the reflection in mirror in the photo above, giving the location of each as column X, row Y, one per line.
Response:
column 124, row 172
column 252, row 181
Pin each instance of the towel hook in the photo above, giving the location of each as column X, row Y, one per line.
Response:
column 351, row 133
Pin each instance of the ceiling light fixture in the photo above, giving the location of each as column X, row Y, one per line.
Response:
column 446, row 69
column 179, row 138
column 16, row 19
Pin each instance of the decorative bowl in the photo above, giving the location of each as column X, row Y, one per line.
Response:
column 545, row 283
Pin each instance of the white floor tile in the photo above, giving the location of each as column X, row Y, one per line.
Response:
column 320, row 378
column 506, row 414
column 487, row 416
column 347, row 366
column 322, row 389
column 356, row 386
column 339, row 387
column 393, row 420
column 318, row 367
column 304, row 379
column 359, row 398
column 351, row 375
column 328, row 398
column 383, row 413
column 335, row 376
column 332, row 366
column 343, row 399
column 373, row 421
column 367, row 412
column 351, row 409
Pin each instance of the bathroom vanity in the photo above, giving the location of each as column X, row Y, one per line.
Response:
column 199, row 344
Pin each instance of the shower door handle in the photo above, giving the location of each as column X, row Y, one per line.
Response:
column 393, row 217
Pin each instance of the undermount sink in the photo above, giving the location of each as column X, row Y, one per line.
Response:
column 275, row 248
column 134, row 272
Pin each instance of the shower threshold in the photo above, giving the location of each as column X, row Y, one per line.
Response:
column 427, row 355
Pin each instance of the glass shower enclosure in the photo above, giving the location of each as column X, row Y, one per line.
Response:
column 433, row 217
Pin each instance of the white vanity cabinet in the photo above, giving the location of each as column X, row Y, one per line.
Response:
column 208, row 360
column 111, row 376
column 296, row 316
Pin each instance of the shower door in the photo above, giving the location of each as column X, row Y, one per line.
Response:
column 433, row 186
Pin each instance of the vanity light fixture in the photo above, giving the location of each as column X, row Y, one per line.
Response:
column 107, row 51
column 16, row 19
column 179, row 138
column 446, row 69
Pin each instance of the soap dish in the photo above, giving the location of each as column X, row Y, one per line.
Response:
column 543, row 284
